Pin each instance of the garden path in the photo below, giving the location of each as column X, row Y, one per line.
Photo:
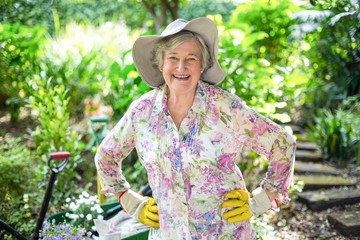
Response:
column 326, row 187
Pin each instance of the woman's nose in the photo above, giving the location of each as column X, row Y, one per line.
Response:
column 181, row 65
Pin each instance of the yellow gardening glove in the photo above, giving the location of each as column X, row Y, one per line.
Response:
column 149, row 214
column 237, row 200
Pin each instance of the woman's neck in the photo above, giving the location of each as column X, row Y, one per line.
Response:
column 179, row 105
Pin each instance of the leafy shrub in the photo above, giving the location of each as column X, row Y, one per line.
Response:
column 17, row 170
column 338, row 133
column 254, row 69
column 330, row 29
column 15, row 158
column 20, row 213
column 20, row 49
column 125, row 86
column 53, row 15
column 202, row 8
column 49, row 102
column 80, row 57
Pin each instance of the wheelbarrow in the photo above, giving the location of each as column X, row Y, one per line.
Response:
column 61, row 159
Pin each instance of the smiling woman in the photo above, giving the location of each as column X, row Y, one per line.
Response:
column 188, row 134
column 181, row 71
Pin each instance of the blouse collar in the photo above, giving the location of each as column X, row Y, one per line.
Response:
column 199, row 104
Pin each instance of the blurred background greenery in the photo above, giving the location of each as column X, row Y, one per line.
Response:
column 61, row 62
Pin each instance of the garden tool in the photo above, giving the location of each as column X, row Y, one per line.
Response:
column 99, row 126
column 244, row 205
column 55, row 169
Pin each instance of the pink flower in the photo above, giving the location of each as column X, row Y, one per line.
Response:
column 259, row 128
column 213, row 115
column 187, row 189
column 226, row 163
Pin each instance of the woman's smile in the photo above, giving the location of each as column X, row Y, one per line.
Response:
column 181, row 77
column 181, row 67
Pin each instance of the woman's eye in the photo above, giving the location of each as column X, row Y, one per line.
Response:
column 192, row 59
column 172, row 58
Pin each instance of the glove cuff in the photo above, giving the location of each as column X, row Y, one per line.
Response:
column 132, row 202
column 260, row 202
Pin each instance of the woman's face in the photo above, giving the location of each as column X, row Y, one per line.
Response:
column 182, row 67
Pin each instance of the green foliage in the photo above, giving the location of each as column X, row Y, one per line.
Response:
column 331, row 31
column 49, row 101
column 260, row 73
column 82, row 211
column 15, row 158
column 55, row 15
column 79, row 58
column 273, row 20
column 20, row 48
column 251, row 165
column 17, row 170
column 202, row 8
column 135, row 173
column 338, row 133
column 125, row 86
column 20, row 213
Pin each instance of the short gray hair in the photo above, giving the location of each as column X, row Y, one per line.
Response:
column 172, row 41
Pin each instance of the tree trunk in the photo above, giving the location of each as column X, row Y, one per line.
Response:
column 160, row 10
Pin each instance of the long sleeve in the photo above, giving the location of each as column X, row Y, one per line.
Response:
column 268, row 139
column 118, row 143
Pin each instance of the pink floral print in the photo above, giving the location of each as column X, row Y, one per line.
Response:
column 190, row 169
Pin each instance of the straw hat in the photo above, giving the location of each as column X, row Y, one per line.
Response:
column 143, row 47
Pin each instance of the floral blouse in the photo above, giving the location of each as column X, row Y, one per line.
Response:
column 191, row 168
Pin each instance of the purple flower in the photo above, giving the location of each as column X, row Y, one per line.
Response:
column 89, row 234
column 236, row 104
column 239, row 232
column 46, row 227
column 226, row 163
column 187, row 189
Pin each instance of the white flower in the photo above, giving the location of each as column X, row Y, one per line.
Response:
column 67, row 200
column 73, row 216
column 93, row 198
column 82, row 216
column 85, row 194
column 89, row 217
column 100, row 210
column 73, row 206
column 81, row 201
column 101, row 217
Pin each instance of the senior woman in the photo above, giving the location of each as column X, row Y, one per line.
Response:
column 188, row 133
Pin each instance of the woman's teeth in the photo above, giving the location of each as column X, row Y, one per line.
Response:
column 181, row 76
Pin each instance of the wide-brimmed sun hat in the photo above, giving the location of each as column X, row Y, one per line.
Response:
column 144, row 46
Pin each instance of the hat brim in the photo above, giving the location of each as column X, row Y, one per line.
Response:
column 143, row 47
